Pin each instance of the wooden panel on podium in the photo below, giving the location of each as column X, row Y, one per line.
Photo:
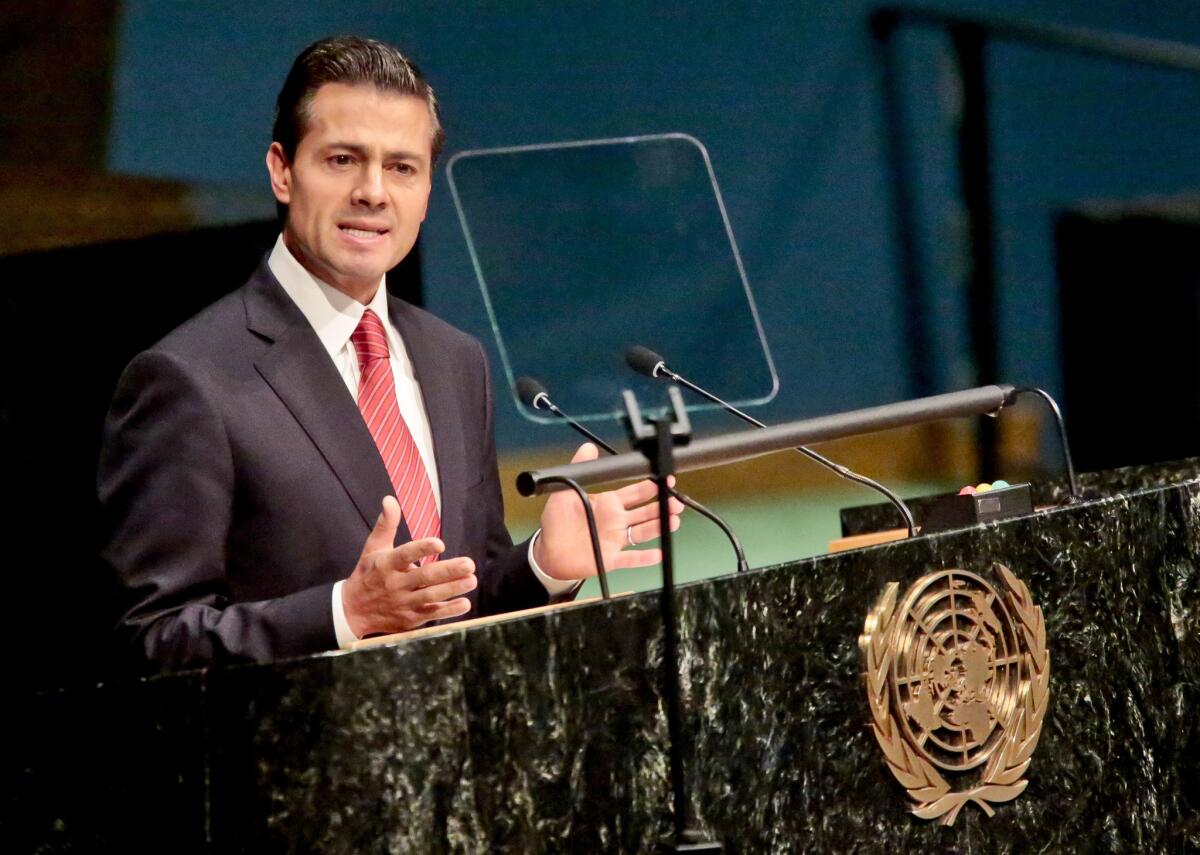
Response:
column 421, row 632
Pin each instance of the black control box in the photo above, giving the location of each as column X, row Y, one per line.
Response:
column 959, row 511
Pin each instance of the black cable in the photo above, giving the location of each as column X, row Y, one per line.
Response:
column 595, row 535
column 1062, row 436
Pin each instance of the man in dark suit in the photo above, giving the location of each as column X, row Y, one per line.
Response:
column 309, row 461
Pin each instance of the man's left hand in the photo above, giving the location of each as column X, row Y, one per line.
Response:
column 564, row 548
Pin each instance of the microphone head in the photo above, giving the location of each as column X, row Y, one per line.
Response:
column 643, row 360
column 531, row 392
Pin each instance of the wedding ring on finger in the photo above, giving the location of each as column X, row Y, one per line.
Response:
column 629, row 535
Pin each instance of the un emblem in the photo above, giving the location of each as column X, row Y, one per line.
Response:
column 957, row 677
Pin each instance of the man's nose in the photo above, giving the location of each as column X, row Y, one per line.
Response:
column 369, row 189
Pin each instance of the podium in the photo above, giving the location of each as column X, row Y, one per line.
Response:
column 547, row 733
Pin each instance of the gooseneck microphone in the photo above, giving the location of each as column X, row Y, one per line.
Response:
column 1072, row 481
column 534, row 395
column 645, row 361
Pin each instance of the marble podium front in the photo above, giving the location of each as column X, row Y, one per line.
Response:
column 547, row 733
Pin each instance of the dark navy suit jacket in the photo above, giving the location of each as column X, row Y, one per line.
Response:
column 238, row 481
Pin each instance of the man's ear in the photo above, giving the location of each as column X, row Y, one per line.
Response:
column 280, row 171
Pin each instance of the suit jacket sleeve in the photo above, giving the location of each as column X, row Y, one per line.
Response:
column 167, row 488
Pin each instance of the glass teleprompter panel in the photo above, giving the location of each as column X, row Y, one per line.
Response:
column 583, row 249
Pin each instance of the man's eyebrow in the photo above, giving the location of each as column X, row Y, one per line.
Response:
column 361, row 151
column 352, row 147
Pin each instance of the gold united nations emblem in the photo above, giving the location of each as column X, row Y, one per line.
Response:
column 958, row 679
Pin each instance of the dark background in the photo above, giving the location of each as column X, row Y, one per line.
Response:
column 132, row 192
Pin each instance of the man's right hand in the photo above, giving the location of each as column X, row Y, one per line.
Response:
column 390, row 592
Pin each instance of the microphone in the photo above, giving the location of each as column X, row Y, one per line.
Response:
column 534, row 395
column 645, row 361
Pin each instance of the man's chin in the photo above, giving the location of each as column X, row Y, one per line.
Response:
column 365, row 263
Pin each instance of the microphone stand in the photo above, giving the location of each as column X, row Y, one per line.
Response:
column 845, row 472
column 743, row 445
column 1072, row 481
column 657, row 442
column 541, row 399
column 647, row 362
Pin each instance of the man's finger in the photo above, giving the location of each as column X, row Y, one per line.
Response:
column 443, row 610
column 648, row 531
column 637, row 558
column 587, row 451
column 650, row 512
column 424, row 615
column 407, row 554
column 439, row 572
column 444, row 591
column 383, row 533
column 633, row 495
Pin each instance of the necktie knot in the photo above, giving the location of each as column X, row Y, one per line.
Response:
column 369, row 340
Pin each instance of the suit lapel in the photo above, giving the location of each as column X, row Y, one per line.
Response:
column 299, row 370
column 445, row 418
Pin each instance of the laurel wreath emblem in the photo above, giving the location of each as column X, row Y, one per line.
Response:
column 1002, row 777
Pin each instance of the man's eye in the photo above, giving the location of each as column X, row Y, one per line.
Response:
column 341, row 160
column 403, row 168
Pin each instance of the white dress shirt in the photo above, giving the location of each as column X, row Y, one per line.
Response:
column 334, row 316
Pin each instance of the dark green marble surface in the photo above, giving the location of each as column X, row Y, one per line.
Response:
column 878, row 516
column 548, row 734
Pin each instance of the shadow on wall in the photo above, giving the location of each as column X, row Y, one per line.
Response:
column 122, row 297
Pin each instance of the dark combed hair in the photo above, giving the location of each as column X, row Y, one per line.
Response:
column 349, row 60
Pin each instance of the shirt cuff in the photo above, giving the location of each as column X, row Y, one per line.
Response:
column 341, row 626
column 554, row 587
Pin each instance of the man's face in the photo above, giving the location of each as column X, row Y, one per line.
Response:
column 358, row 186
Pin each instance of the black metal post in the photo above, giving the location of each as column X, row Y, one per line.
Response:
column 656, row 441
column 663, row 464
column 686, row 838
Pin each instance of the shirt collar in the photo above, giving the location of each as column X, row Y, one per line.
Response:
column 332, row 314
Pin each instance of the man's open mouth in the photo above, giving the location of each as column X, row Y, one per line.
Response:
column 365, row 234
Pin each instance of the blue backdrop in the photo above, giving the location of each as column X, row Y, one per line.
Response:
column 785, row 97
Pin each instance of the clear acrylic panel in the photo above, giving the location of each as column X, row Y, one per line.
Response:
column 583, row 249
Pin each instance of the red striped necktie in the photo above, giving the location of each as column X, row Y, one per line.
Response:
column 377, row 401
